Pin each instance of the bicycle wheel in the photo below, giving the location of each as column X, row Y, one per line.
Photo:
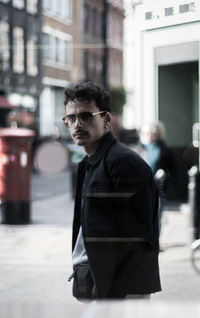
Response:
column 195, row 255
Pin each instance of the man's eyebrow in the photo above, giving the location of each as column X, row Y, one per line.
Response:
column 68, row 113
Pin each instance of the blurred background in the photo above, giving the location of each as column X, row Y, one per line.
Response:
column 146, row 52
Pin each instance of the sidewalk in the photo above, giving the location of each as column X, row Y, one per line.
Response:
column 180, row 283
column 35, row 261
column 179, row 280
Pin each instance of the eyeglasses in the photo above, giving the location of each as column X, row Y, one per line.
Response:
column 84, row 118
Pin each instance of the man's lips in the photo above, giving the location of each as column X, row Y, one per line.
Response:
column 80, row 133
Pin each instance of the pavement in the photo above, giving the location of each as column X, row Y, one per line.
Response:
column 35, row 261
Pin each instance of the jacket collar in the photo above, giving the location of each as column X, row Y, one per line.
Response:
column 106, row 141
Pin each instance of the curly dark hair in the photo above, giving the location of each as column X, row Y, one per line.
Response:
column 88, row 91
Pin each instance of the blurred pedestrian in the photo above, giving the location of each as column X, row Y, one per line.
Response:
column 160, row 158
column 115, row 228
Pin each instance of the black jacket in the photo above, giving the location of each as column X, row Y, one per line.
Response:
column 117, row 206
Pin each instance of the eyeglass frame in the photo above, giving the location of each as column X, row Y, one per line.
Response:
column 77, row 116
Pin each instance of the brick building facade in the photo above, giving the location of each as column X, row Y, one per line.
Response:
column 94, row 41
column 20, row 59
column 46, row 45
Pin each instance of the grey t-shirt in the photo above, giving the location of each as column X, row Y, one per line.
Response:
column 79, row 253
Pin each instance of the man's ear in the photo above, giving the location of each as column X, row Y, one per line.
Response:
column 108, row 120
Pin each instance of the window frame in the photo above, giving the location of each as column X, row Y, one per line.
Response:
column 4, row 45
column 58, row 58
column 18, row 50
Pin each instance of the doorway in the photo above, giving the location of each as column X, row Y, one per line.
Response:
column 178, row 109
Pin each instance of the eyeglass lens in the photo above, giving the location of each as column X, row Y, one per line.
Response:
column 83, row 118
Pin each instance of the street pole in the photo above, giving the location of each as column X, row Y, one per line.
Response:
column 105, row 44
column 194, row 179
column 194, row 188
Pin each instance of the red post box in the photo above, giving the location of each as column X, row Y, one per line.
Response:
column 15, row 174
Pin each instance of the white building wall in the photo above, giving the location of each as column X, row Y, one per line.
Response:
column 181, row 29
column 47, row 111
column 51, row 106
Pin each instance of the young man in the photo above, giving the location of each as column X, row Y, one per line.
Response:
column 115, row 228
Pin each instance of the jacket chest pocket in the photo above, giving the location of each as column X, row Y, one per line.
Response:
column 99, row 211
column 102, row 204
column 99, row 201
column 103, row 201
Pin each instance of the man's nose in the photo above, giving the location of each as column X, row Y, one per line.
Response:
column 77, row 122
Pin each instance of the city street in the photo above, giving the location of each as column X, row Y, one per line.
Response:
column 35, row 259
column 73, row 70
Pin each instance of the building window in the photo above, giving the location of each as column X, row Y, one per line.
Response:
column 98, row 69
column 67, row 52
column 19, row 4
column 148, row 15
column 86, row 17
column 67, row 6
column 92, row 64
column 192, row 6
column 110, row 28
column 89, row 20
column 86, row 69
column 4, row 46
column 183, row 8
column 46, row 46
column 115, row 72
column 57, row 49
column 94, row 22
column 121, row 35
column 32, row 6
column 18, row 50
column 169, row 11
column 32, row 56
column 92, row 67
column 60, row 8
column 46, row 5
column 116, row 32
column 98, row 24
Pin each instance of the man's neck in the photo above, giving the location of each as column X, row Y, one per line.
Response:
column 91, row 149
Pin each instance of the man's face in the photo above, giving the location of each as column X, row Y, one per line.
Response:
column 87, row 135
column 148, row 136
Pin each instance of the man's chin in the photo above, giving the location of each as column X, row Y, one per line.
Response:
column 79, row 142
